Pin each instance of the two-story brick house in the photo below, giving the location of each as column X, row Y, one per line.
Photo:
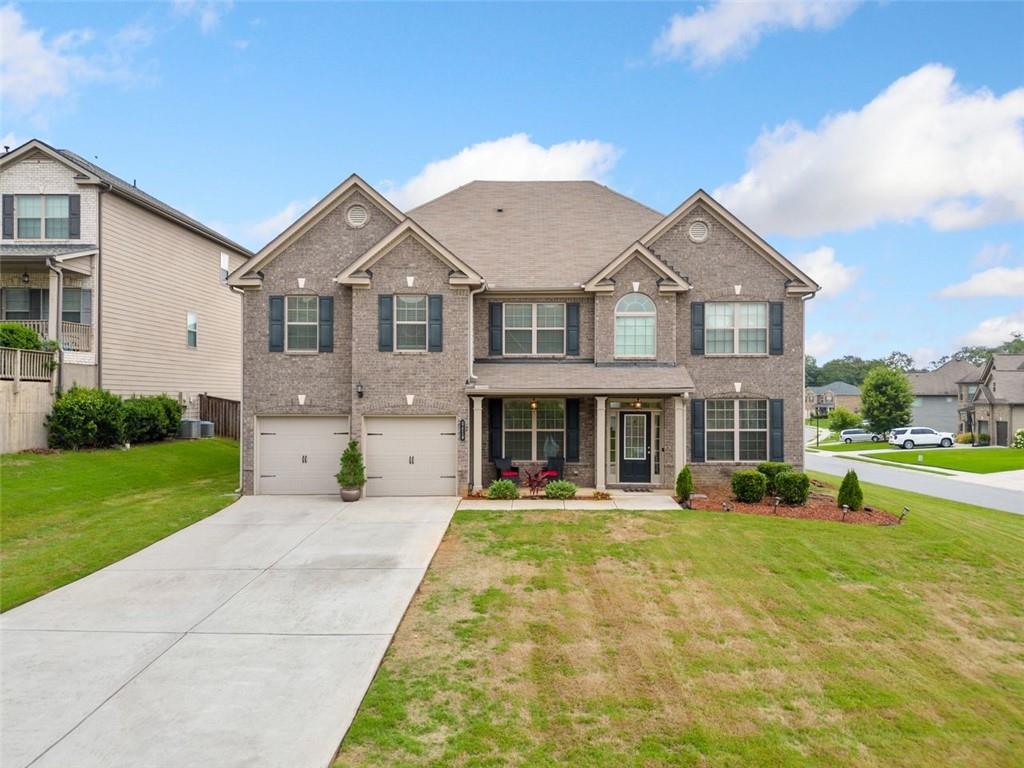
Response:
column 517, row 320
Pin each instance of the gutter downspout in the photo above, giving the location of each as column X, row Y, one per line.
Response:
column 99, row 286
column 241, row 398
column 474, row 292
column 52, row 265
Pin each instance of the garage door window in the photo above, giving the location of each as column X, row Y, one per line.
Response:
column 301, row 335
column 534, row 430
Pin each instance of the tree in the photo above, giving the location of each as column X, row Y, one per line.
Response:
column 812, row 373
column 886, row 399
column 842, row 418
column 899, row 361
column 850, row 368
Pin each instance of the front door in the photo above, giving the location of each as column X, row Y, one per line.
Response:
column 1003, row 434
column 635, row 448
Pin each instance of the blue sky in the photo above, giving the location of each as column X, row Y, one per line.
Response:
column 879, row 146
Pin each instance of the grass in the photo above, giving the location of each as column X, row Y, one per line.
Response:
column 66, row 515
column 708, row 639
column 980, row 460
column 840, row 447
column 914, row 467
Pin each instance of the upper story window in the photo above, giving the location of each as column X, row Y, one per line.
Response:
column 225, row 267
column 43, row 217
column 534, row 329
column 635, row 326
column 736, row 328
column 191, row 329
column 410, row 322
column 301, row 324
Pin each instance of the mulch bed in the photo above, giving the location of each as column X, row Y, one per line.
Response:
column 818, row 507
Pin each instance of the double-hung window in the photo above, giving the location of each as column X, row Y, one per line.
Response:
column 534, row 329
column 736, row 328
column 301, row 323
column 17, row 304
column 43, row 217
column 736, row 430
column 534, row 432
column 71, row 306
column 410, row 322
column 191, row 329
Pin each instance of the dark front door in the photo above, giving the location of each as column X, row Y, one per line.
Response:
column 1002, row 434
column 635, row 447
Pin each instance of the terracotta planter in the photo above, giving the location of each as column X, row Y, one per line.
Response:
column 351, row 494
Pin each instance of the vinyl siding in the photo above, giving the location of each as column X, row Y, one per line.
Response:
column 152, row 273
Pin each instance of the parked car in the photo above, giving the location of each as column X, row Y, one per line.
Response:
column 911, row 437
column 859, row 436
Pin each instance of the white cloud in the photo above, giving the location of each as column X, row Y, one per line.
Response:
column 819, row 344
column 923, row 357
column 207, row 13
column 995, row 330
column 259, row 233
column 512, row 158
column 998, row 281
column 922, row 149
column 731, row 28
column 833, row 276
column 990, row 255
column 9, row 139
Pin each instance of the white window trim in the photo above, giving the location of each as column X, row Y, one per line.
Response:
column 191, row 318
column 615, row 326
column 736, row 328
column 533, row 328
column 533, row 427
column 315, row 323
column 737, row 431
column 42, row 217
column 425, row 322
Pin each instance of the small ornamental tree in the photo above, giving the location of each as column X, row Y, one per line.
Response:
column 850, row 494
column 684, row 484
column 886, row 399
column 842, row 418
column 352, row 473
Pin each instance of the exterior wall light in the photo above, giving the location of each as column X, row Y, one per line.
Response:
column 359, row 390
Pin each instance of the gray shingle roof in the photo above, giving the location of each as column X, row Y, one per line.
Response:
column 837, row 388
column 579, row 378
column 560, row 233
column 1007, row 378
column 943, row 380
column 42, row 250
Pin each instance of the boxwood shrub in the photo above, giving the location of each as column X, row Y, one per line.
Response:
column 770, row 469
column 748, row 485
column 148, row 419
column 560, row 489
column 86, row 418
column 793, row 487
column 502, row 489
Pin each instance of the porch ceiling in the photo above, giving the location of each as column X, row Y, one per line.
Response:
column 579, row 378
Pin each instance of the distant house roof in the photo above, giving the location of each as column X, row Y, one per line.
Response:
column 1004, row 379
column 944, row 379
column 837, row 388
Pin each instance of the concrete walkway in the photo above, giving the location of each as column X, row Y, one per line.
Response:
column 247, row 639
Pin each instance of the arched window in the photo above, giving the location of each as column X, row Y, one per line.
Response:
column 635, row 325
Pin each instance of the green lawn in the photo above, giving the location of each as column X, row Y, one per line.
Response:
column 982, row 460
column 881, row 445
column 65, row 515
column 708, row 639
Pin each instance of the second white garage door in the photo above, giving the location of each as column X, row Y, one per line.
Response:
column 410, row 455
column 300, row 454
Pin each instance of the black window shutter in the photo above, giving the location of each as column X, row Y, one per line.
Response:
column 775, row 328
column 86, row 306
column 74, row 216
column 326, row 320
column 435, row 326
column 775, row 442
column 276, row 315
column 697, row 328
column 572, row 430
column 572, row 328
column 494, row 327
column 385, row 327
column 8, row 211
column 697, row 431
column 494, row 447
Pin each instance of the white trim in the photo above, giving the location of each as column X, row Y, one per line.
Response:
column 600, row 440
column 425, row 323
column 191, row 318
column 616, row 314
column 533, row 328
column 737, row 431
column 736, row 328
column 674, row 284
column 315, row 323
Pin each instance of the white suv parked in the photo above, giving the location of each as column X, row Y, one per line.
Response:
column 911, row 437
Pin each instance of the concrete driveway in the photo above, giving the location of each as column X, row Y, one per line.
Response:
column 247, row 639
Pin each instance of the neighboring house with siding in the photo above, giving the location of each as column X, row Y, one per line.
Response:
column 937, row 395
column 824, row 399
column 997, row 408
column 133, row 291
column 527, row 321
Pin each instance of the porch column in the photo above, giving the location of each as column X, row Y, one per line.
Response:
column 53, row 318
column 600, row 434
column 478, row 448
column 680, row 434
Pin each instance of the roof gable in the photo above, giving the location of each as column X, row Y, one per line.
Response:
column 34, row 147
column 669, row 281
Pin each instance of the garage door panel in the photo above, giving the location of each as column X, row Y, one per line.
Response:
column 300, row 455
column 410, row 456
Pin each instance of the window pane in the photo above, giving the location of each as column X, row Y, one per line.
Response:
column 753, row 315
column 635, row 302
column 718, row 315
column 634, row 437
column 518, row 414
column 518, row 342
column 549, row 445
column 634, row 337
column 719, row 414
column 71, row 307
column 720, row 446
column 411, row 336
column 753, row 446
column 301, row 337
column 549, row 342
column 753, row 341
column 718, row 342
column 550, row 414
column 753, row 414
column 519, row 445
column 302, row 309
column 657, row 443
column 613, row 443
column 57, row 221
column 518, row 315
column 18, row 306
column 411, row 309
column 551, row 315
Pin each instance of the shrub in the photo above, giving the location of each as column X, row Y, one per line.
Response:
column 173, row 411
column 793, row 487
column 748, row 485
column 152, row 418
column 18, row 336
column 842, row 418
column 965, row 437
column 560, row 489
column 1018, row 438
column 86, row 418
column 983, row 438
column 502, row 489
column 684, row 484
column 770, row 469
column 850, row 494
column 352, row 473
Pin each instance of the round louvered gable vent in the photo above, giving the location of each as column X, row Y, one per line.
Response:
column 699, row 231
column 357, row 216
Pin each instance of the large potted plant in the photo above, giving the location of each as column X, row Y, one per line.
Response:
column 352, row 475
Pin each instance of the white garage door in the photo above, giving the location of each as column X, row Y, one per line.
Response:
column 299, row 454
column 410, row 455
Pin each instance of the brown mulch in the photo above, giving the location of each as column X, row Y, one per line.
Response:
column 818, row 507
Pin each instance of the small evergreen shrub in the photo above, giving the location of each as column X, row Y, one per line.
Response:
column 793, row 487
column 18, row 336
column 84, row 417
column 1018, row 438
column 152, row 418
column 850, row 494
column 684, row 484
column 748, row 485
column 502, row 489
column 560, row 489
column 352, row 473
column 965, row 437
column 983, row 438
column 770, row 469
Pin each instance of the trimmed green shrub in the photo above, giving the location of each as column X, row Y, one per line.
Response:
column 173, row 411
column 983, row 438
column 842, row 418
column 86, row 418
column 1018, row 438
column 502, row 489
column 748, row 485
column 965, row 437
column 850, row 494
column 353, row 472
column 684, row 484
column 793, row 487
column 560, row 489
column 151, row 418
column 18, row 336
column 770, row 469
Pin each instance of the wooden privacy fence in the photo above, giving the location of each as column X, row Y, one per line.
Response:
column 25, row 365
column 225, row 415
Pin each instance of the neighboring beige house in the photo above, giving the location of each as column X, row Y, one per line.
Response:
column 824, row 399
column 554, row 324
column 133, row 291
column 997, row 408
column 938, row 395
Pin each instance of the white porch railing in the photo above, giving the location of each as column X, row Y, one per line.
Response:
column 25, row 365
column 76, row 337
column 42, row 327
